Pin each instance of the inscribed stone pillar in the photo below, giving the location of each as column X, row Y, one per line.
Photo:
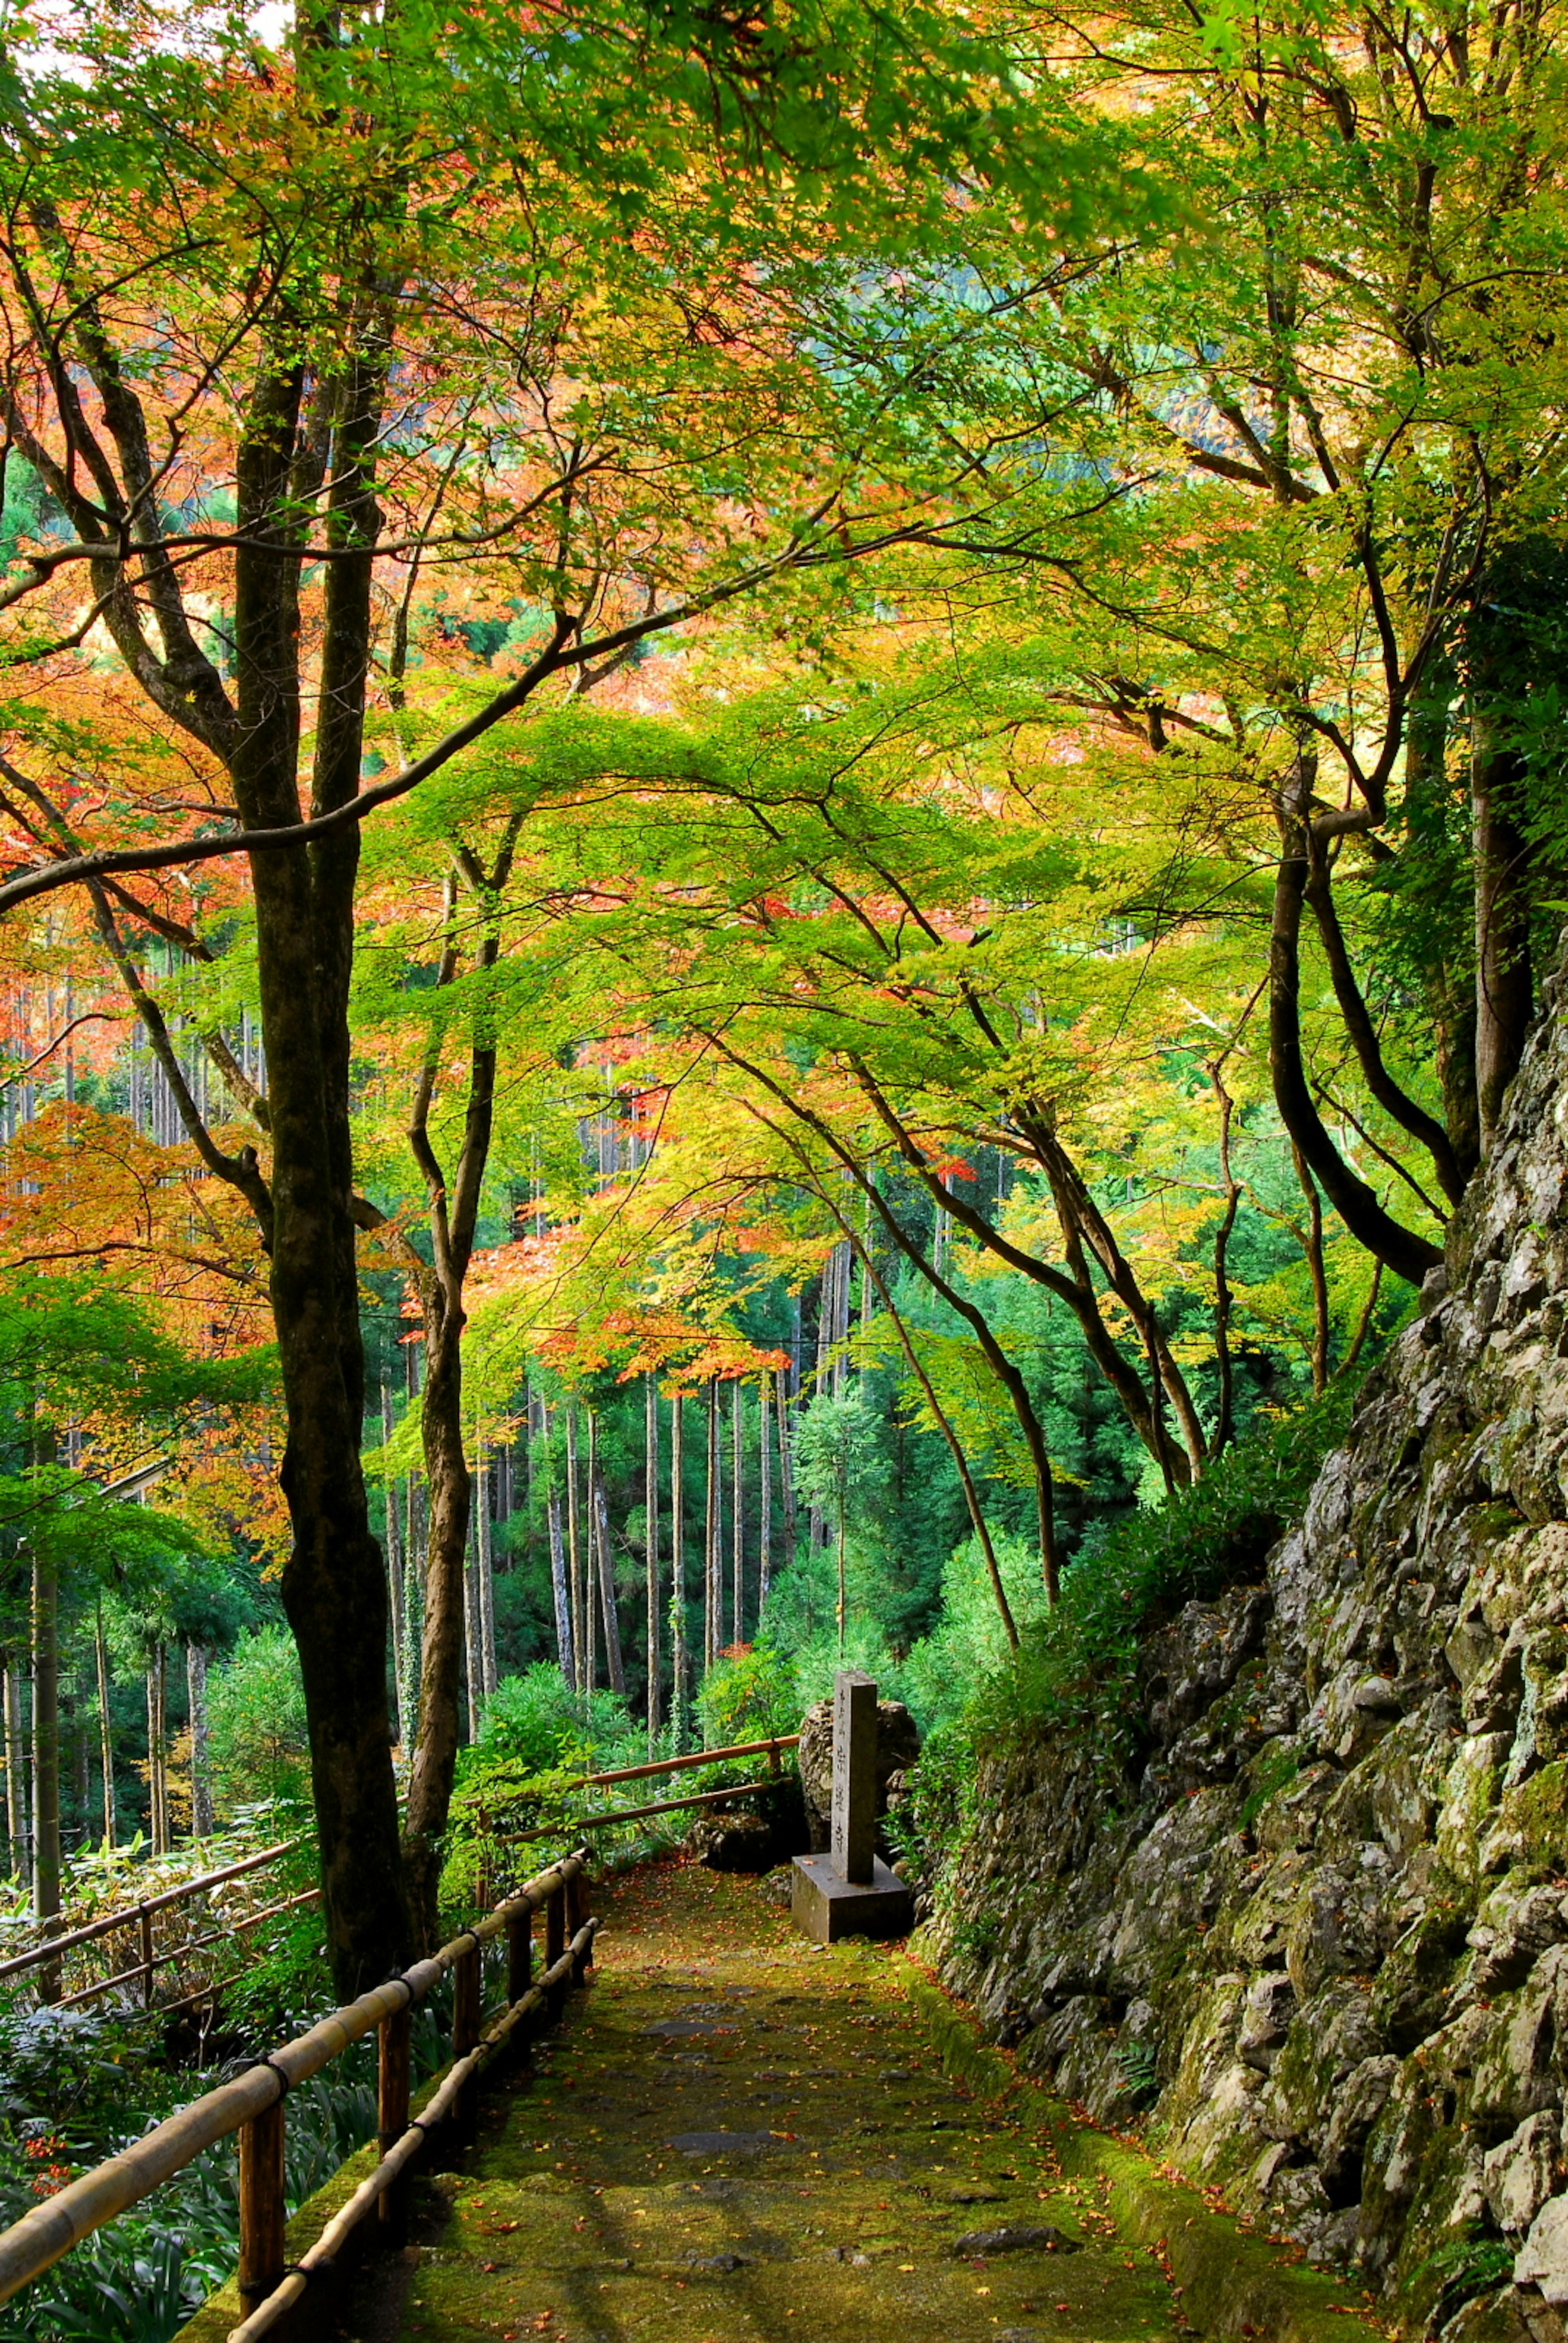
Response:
column 855, row 1777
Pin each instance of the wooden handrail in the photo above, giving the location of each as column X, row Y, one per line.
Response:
column 144, row 1969
column 322, row 2254
column 129, row 1915
column 44, row 2234
column 678, row 1764
column 636, row 1814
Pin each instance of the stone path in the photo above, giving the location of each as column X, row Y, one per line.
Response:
column 739, row 2137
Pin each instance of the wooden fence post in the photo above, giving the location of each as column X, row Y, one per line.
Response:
column 577, row 1913
column 519, row 1956
column 519, row 1978
column 146, row 1920
column 393, row 2071
column 468, row 1994
column 261, row 2207
column 556, row 1943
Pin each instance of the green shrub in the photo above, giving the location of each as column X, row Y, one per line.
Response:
column 969, row 1640
column 533, row 1721
column 1076, row 1670
column 753, row 1694
column 260, row 1749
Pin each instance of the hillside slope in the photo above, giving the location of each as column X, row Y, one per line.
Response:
column 1318, row 1936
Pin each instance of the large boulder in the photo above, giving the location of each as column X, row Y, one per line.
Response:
column 898, row 1746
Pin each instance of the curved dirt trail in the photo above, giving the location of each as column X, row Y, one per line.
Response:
column 738, row 2136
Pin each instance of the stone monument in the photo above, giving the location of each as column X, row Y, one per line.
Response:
column 849, row 1892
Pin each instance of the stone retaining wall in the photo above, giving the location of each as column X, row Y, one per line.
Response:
column 1319, row 1947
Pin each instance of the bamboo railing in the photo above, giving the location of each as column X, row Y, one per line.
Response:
column 611, row 1816
column 252, row 2105
column 140, row 1916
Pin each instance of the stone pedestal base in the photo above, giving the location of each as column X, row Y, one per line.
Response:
column 825, row 1907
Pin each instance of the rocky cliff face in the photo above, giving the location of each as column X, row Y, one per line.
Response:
column 1320, row 1944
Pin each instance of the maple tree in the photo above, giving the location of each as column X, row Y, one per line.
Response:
column 1030, row 561
column 381, row 275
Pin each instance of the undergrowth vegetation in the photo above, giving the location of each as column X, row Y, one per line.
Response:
column 1075, row 1671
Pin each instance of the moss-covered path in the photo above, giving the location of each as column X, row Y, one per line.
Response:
column 738, row 2136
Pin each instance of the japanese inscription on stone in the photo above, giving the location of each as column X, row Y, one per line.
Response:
column 854, row 1776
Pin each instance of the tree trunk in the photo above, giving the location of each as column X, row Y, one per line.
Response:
column 737, row 1515
column 413, row 1585
column 203, row 1815
column 599, row 1503
column 1408, row 1254
column 435, row 1756
column 487, row 1557
column 472, row 1638
column 679, row 1669
column 47, row 1758
column 816, row 1520
column 334, row 1590
column 158, row 1805
column 650, row 1547
column 712, row 1538
column 560, row 1589
column 18, row 1795
column 401, row 1720
column 106, row 1729
column 787, row 1475
column 764, row 1492
column 580, row 1644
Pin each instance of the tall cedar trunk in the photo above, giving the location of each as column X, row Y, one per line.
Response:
column 472, row 1638
column 1408, row 1254
column 560, row 1584
column 17, row 1800
column 202, row 1815
column 106, row 1728
column 485, row 1558
column 650, row 1544
column 413, row 1608
column 47, row 1754
column 786, row 1475
column 764, row 1492
column 334, row 1591
column 583, row 1654
column 737, row 1509
column 395, row 1591
column 679, row 1666
column 712, row 1535
column 158, row 1810
column 610, row 1617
